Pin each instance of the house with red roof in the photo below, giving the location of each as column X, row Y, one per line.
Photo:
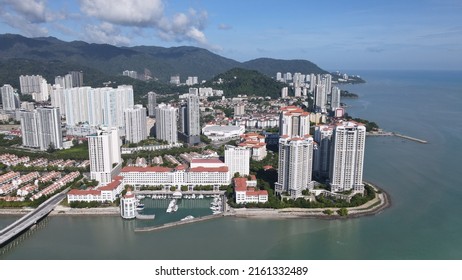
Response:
column 246, row 191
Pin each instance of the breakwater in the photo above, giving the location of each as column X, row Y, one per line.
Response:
column 174, row 224
column 386, row 133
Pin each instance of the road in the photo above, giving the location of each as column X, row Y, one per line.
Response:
column 28, row 220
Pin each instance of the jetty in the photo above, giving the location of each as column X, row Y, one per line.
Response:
column 174, row 224
column 410, row 138
column 386, row 133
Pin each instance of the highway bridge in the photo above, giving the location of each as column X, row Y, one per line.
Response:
column 24, row 223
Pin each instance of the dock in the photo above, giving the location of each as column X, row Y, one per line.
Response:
column 174, row 224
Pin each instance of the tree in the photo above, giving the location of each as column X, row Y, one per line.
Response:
column 342, row 212
column 51, row 148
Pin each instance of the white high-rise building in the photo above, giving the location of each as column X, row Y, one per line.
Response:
column 152, row 103
column 10, row 99
column 335, row 99
column 320, row 98
column 279, row 77
column 135, row 124
column 30, row 129
column 166, row 123
column 104, row 154
column 293, row 121
column 98, row 106
column 347, row 157
column 50, row 128
column 238, row 160
column 58, row 99
column 42, row 128
column 284, row 92
column 29, row 84
column 295, row 165
column 323, row 138
column 193, row 125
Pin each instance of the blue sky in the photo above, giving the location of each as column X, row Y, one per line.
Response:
column 424, row 34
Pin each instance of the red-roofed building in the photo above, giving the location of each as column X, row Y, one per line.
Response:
column 246, row 191
column 101, row 194
column 202, row 172
column 256, row 143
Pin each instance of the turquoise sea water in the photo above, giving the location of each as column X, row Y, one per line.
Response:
column 423, row 180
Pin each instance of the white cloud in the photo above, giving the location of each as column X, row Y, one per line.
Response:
column 223, row 26
column 105, row 33
column 33, row 10
column 186, row 26
column 124, row 12
column 20, row 21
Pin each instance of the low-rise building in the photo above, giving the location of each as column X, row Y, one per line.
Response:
column 108, row 193
column 246, row 192
column 128, row 205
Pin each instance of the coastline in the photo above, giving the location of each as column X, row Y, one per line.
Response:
column 372, row 207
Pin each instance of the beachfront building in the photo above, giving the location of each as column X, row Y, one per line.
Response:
column 178, row 176
column 107, row 193
column 246, row 191
column 321, row 158
column 347, row 157
column 295, row 165
column 128, row 205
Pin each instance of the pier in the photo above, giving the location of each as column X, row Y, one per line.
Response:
column 27, row 221
column 174, row 224
column 385, row 133
column 410, row 138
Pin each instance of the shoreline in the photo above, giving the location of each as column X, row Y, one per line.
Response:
column 372, row 207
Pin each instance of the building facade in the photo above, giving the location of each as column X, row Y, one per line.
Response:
column 295, row 165
column 41, row 128
column 135, row 124
column 323, row 138
column 10, row 99
column 293, row 121
column 246, row 191
column 166, row 123
column 238, row 160
column 104, row 154
column 152, row 103
column 347, row 157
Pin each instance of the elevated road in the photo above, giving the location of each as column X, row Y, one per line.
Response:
column 16, row 228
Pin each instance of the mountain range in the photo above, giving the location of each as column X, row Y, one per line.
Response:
column 44, row 55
